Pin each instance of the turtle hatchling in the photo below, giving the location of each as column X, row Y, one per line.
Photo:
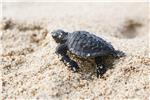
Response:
column 84, row 45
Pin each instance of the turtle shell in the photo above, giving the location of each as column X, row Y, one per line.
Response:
column 85, row 44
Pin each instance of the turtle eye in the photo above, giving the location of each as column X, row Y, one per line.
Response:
column 59, row 36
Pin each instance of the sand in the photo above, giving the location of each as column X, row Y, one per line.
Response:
column 30, row 68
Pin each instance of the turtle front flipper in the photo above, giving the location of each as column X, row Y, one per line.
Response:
column 62, row 50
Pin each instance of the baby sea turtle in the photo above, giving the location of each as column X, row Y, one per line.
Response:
column 83, row 44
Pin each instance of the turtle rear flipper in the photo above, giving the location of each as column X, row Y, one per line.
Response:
column 118, row 54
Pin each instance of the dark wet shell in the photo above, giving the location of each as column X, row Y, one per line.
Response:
column 84, row 44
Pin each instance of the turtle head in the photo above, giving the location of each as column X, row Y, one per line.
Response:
column 59, row 36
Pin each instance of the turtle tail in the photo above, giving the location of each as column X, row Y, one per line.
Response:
column 118, row 54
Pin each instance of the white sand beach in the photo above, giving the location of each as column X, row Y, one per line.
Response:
column 31, row 69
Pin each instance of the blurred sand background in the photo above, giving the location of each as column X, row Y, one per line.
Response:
column 31, row 70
